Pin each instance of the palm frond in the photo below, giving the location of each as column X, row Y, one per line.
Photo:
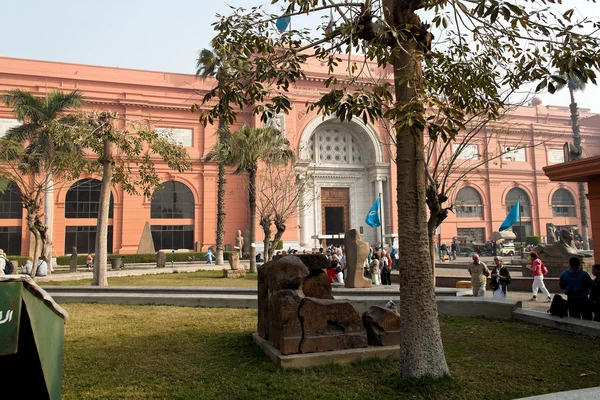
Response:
column 58, row 103
column 23, row 132
column 26, row 107
column 207, row 63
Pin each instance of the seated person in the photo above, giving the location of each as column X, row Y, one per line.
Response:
column 42, row 269
column 259, row 258
column 26, row 269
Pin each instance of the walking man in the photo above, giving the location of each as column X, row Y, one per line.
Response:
column 577, row 285
column 453, row 247
column 479, row 273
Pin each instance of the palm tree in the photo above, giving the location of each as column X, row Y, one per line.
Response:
column 37, row 115
column 244, row 150
column 574, row 84
column 207, row 65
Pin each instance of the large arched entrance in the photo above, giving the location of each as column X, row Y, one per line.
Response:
column 344, row 165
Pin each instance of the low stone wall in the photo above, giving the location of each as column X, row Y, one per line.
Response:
column 518, row 284
column 477, row 307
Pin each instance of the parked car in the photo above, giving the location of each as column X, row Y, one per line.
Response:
column 508, row 249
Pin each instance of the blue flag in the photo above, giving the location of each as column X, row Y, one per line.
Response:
column 373, row 216
column 282, row 23
column 511, row 218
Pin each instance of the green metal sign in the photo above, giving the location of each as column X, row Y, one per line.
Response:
column 10, row 315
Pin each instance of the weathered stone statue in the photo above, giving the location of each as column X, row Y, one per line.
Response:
column 551, row 234
column 239, row 242
column 161, row 259
column 556, row 256
column 73, row 260
column 356, row 254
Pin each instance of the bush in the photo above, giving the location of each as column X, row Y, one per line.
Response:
column 535, row 240
column 18, row 259
column 279, row 245
column 141, row 258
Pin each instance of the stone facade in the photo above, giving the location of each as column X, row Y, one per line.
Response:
column 351, row 156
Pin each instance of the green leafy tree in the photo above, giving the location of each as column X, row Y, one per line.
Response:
column 33, row 169
column 481, row 49
column 574, row 83
column 124, row 157
column 37, row 116
column 244, row 150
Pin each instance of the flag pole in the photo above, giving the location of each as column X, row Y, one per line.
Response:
column 521, row 229
column 381, row 221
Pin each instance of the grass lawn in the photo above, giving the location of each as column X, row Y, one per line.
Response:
column 163, row 352
column 200, row 278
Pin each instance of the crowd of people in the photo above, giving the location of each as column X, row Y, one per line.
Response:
column 583, row 293
column 7, row 267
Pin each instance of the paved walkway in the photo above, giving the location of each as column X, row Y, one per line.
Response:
column 133, row 270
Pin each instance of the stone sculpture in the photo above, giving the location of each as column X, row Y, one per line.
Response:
column 73, row 260
column 295, row 321
column 556, row 256
column 146, row 245
column 161, row 259
column 561, row 250
column 382, row 325
column 356, row 254
column 551, row 234
column 239, row 242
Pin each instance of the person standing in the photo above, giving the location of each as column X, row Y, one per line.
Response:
column 538, row 270
column 453, row 248
column 479, row 272
column 443, row 251
column 209, row 256
column 577, row 285
column 500, row 279
column 374, row 266
column 386, row 269
column 595, row 295
column 89, row 262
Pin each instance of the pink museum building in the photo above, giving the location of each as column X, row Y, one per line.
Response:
column 348, row 164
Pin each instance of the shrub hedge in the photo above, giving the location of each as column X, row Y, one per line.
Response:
column 142, row 258
column 533, row 240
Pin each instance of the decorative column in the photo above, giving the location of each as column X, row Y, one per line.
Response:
column 303, row 205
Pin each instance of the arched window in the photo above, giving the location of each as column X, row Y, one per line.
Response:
column 563, row 204
column 83, row 200
column 173, row 200
column 517, row 194
column 10, row 203
column 468, row 203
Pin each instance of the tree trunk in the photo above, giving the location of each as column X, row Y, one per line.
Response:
column 421, row 349
column 280, row 225
column 49, row 221
column 220, row 214
column 100, row 267
column 580, row 185
column 252, row 204
column 37, row 239
column 265, row 222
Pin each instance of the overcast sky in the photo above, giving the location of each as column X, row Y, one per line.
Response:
column 148, row 34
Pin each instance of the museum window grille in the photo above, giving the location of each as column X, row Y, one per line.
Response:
column 468, row 203
column 563, row 204
column 172, row 200
column 10, row 203
column 172, row 237
column 475, row 234
column 10, row 240
column 514, row 195
column 84, row 238
column 83, row 200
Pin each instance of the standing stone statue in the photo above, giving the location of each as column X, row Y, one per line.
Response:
column 73, row 261
column 356, row 254
column 161, row 259
column 239, row 242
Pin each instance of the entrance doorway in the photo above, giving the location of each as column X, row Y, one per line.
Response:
column 335, row 206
